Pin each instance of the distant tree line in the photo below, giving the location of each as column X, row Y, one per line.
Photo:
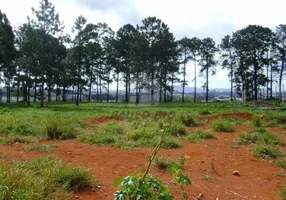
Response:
column 37, row 58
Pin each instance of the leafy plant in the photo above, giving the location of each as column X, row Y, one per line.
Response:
column 146, row 186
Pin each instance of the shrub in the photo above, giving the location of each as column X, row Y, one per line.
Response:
column 260, row 136
column 171, row 143
column 200, row 134
column 177, row 129
column 222, row 125
column 265, row 151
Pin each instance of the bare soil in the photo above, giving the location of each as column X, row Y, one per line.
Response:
column 217, row 158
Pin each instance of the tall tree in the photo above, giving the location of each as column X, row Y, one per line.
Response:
column 7, row 52
column 281, row 47
column 185, row 50
column 208, row 62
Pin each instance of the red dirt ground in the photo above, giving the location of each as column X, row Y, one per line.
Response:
column 258, row 178
column 240, row 115
column 102, row 119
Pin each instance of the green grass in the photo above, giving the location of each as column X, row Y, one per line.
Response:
column 42, row 178
column 281, row 163
column 256, row 121
column 265, row 151
column 282, row 193
column 16, row 139
column 260, row 136
column 163, row 163
column 199, row 135
column 222, row 125
column 44, row 147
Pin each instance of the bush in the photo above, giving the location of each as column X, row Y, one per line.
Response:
column 200, row 134
column 171, row 143
column 222, row 125
column 260, row 136
column 113, row 127
column 43, row 178
column 265, row 151
column 177, row 129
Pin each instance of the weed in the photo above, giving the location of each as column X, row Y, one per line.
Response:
column 163, row 163
column 200, row 134
column 265, row 151
column 222, row 125
column 55, row 130
column 186, row 118
column 171, row 143
column 16, row 139
column 113, row 127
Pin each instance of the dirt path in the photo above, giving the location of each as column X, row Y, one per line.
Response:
column 258, row 178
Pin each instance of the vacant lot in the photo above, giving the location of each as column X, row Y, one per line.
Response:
column 230, row 151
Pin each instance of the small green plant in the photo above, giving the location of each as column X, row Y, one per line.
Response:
column 44, row 148
column 98, row 138
column 162, row 162
column 256, row 121
column 177, row 129
column 208, row 177
column 200, row 134
column 282, row 193
column 146, row 186
column 222, row 125
column 16, row 139
column 186, row 118
column 265, row 151
column 113, row 127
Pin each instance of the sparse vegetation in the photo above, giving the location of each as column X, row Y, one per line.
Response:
column 256, row 121
column 281, row 163
column 265, row 151
column 222, row 125
column 259, row 135
column 282, row 193
column 44, row 147
column 200, row 134
column 208, row 177
column 42, row 178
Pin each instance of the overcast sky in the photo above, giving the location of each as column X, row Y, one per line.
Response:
column 200, row 18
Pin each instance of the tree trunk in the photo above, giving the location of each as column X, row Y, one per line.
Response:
column 35, row 90
column 231, row 78
column 126, row 88
column 280, row 80
column 271, row 81
column 89, row 92
column 137, row 88
column 255, row 82
column 77, row 95
column 172, row 89
column 152, row 88
column 28, row 91
column 97, row 89
column 184, row 81
column 42, row 91
column 195, row 87
column 100, row 94
column 117, row 85
column 207, row 85
column 18, row 90
column 49, row 92
column 64, row 94
column 8, row 89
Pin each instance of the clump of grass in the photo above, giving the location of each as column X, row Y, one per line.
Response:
column 256, row 121
column 171, row 143
column 44, row 148
column 265, row 151
column 99, row 138
column 283, row 126
column 16, row 139
column 208, row 177
column 186, row 118
column 260, row 136
column 282, row 163
column 43, row 178
column 282, row 193
column 200, row 134
column 222, row 125
column 205, row 112
column 113, row 127
column 177, row 129
column 56, row 130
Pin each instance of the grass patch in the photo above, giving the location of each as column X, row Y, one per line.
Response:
column 56, row 130
column 265, row 151
column 186, row 119
column 44, row 148
column 222, row 125
column 163, row 163
column 43, row 178
column 256, row 122
column 260, row 136
column 281, row 163
column 112, row 127
column 199, row 135
column 16, row 139
column 282, row 193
